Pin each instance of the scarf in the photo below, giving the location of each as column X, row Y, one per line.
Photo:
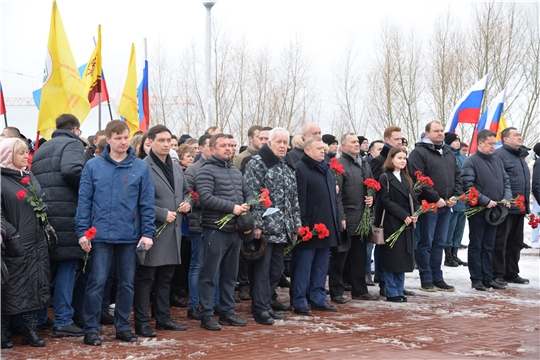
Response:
column 166, row 167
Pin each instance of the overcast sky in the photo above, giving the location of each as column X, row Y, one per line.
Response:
column 324, row 26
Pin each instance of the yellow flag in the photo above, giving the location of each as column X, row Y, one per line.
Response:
column 92, row 74
column 128, row 108
column 502, row 126
column 62, row 91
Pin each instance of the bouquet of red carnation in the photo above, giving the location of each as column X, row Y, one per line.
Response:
column 470, row 196
column 36, row 203
column 337, row 169
column 421, row 182
column 192, row 195
column 90, row 233
column 305, row 234
column 518, row 201
column 263, row 198
column 533, row 220
column 423, row 209
column 364, row 227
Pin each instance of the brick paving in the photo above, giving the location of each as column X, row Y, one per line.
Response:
column 462, row 324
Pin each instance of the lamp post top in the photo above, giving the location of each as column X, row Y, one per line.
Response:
column 209, row 3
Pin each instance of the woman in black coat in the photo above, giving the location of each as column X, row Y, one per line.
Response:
column 395, row 197
column 26, row 252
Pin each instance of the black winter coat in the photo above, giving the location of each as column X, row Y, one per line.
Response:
column 396, row 200
column 518, row 173
column 220, row 186
column 536, row 180
column 58, row 165
column 378, row 161
column 26, row 254
column 318, row 202
column 352, row 191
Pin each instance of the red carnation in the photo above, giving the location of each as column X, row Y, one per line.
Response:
column 417, row 173
column 90, row 233
column 194, row 195
column 21, row 194
column 372, row 184
column 25, row 179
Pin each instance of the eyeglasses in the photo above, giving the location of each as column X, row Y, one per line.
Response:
column 79, row 129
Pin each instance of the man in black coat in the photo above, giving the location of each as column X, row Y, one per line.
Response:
column 318, row 205
column 352, row 202
column 485, row 173
column 58, row 165
column 509, row 239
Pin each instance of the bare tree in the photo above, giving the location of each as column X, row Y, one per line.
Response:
column 161, row 82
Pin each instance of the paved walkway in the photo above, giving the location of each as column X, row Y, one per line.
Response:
column 462, row 324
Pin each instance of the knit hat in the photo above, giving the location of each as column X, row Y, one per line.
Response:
column 173, row 154
column 329, row 139
column 449, row 138
column 536, row 149
column 361, row 139
column 183, row 138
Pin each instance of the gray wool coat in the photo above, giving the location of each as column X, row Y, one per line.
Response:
column 166, row 247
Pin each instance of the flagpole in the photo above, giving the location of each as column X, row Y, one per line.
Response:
column 5, row 119
column 472, row 139
column 99, row 94
column 109, row 105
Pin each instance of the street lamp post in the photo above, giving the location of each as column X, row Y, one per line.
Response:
column 208, row 5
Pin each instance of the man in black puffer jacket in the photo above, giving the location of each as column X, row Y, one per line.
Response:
column 509, row 239
column 222, row 191
column 58, row 165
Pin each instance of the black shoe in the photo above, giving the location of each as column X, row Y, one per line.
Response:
column 144, row 330
column 183, row 293
column 325, row 307
column 170, row 325
column 193, row 313
column 382, row 291
column 441, row 285
column 408, row 292
column 494, row 284
column 275, row 315
column 458, row 260
column 449, row 258
column 347, row 287
column 79, row 320
column 92, row 339
column 209, row 323
column 367, row 296
column 176, row 301
column 244, row 294
column 397, row 299
column 236, row 299
column 525, row 246
column 6, row 342
column 519, row 280
column 277, row 306
column 105, row 318
column 126, row 336
column 68, row 330
column 404, row 299
column 478, row 286
column 46, row 325
column 369, row 281
column 283, row 282
column 231, row 319
column 500, row 281
column 32, row 338
column 303, row 311
column 217, row 310
column 263, row 318
column 463, row 247
column 428, row 286
column 339, row 299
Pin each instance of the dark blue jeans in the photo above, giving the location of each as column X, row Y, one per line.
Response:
column 63, row 291
column 195, row 270
column 433, row 233
column 310, row 273
column 101, row 258
column 395, row 283
column 456, row 228
column 220, row 254
column 481, row 243
column 369, row 253
column 80, row 288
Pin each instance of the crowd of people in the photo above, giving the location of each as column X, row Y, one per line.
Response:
column 141, row 223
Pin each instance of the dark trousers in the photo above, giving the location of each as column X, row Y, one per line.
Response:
column 243, row 271
column 180, row 282
column 158, row 280
column 481, row 242
column 357, row 260
column 310, row 270
column 220, row 253
column 508, row 244
column 266, row 275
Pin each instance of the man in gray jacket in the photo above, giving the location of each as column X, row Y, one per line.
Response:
column 509, row 239
column 222, row 191
column 155, row 273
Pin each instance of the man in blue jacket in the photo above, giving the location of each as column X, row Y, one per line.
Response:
column 509, row 240
column 116, row 196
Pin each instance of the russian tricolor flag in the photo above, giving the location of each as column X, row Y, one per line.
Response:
column 2, row 104
column 467, row 109
column 143, row 100
column 490, row 118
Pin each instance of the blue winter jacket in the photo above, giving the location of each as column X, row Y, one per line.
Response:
column 117, row 198
column 460, row 159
